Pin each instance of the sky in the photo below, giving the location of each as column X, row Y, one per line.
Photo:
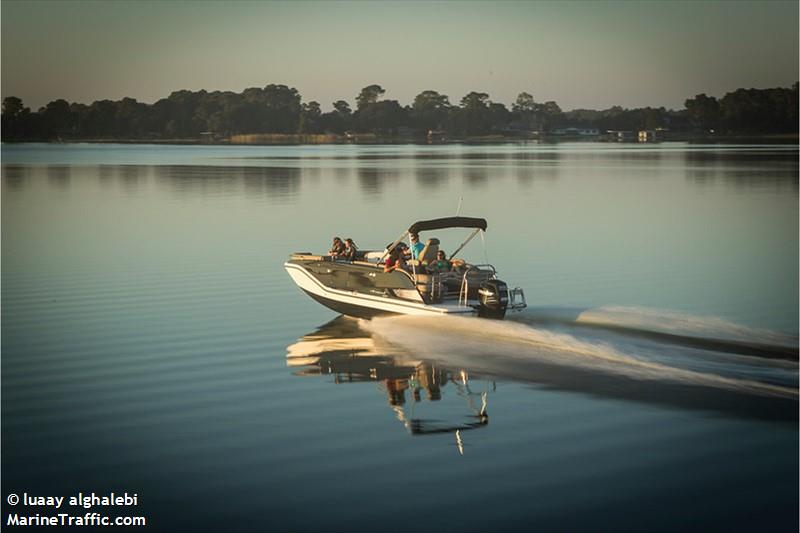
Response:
column 580, row 54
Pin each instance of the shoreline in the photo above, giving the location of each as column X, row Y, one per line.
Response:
column 369, row 139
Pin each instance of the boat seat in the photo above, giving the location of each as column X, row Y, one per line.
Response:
column 424, row 278
column 451, row 281
column 438, row 284
column 425, row 287
column 428, row 254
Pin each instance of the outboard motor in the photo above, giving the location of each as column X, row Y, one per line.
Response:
column 493, row 298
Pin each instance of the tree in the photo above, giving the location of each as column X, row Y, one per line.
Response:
column 760, row 110
column 312, row 109
column 498, row 116
column 310, row 118
column 180, row 117
column 369, row 95
column 282, row 109
column 792, row 107
column 279, row 109
column 13, row 107
column 704, row 111
column 339, row 120
column 524, row 111
column 244, row 117
column 342, row 107
column 473, row 117
column 57, row 120
column 652, row 118
column 100, row 119
column 523, row 104
column 430, row 110
column 130, row 116
column 475, row 101
column 16, row 121
column 549, row 115
column 386, row 115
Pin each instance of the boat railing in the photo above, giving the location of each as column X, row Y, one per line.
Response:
column 516, row 299
column 307, row 256
column 463, row 294
column 436, row 288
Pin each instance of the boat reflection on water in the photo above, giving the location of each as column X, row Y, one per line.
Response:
column 343, row 350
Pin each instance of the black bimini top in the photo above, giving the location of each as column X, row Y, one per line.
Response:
column 449, row 222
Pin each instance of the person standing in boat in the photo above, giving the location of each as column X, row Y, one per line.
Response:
column 337, row 248
column 350, row 249
column 416, row 246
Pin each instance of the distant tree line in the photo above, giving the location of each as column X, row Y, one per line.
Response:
column 280, row 109
column 746, row 110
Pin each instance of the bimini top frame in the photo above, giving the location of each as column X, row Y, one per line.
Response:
column 440, row 223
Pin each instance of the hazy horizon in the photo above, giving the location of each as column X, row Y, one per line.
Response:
column 580, row 54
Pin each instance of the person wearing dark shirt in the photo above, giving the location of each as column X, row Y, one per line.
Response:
column 396, row 259
column 350, row 249
column 337, row 248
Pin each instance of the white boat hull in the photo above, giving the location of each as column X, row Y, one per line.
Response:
column 366, row 305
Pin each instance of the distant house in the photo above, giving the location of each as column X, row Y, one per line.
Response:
column 579, row 133
column 619, row 136
column 648, row 136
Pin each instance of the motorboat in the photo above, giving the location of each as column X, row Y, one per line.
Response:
column 362, row 287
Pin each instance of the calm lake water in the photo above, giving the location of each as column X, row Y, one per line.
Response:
column 152, row 342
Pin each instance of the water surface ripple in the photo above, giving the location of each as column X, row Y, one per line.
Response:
column 152, row 343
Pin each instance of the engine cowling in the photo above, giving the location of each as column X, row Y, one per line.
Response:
column 493, row 299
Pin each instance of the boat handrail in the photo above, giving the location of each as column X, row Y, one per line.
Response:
column 478, row 267
column 463, row 294
column 306, row 256
column 436, row 287
column 464, row 291
column 516, row 299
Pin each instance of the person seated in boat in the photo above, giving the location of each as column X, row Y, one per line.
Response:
column 396, row 259
column 350, row 249
column 441, row 264
column 337, row 248
column 416, row 246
